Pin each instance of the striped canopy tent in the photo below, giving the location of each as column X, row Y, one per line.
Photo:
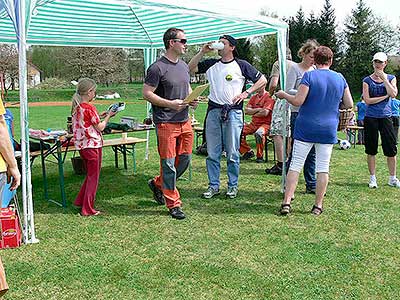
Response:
column 111, row 23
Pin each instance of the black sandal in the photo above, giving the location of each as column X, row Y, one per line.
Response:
column 285, row 209
column 316, row 210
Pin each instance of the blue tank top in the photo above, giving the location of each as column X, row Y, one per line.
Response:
column 382, row 109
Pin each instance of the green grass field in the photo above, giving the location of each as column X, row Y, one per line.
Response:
column 224, row 249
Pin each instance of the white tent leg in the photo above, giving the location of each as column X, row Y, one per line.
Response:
column 29, row 225
column 282, row 43
column 150, row 56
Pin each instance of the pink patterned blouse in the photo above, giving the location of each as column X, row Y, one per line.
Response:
column 85, row 134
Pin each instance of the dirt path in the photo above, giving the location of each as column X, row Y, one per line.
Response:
column 54, row 103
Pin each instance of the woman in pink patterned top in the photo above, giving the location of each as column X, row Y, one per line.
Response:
column 87, row 129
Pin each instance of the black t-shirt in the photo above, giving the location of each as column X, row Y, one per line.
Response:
column 172, row 81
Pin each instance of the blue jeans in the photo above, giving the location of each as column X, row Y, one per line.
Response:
column 309, row 165
column 223, row 135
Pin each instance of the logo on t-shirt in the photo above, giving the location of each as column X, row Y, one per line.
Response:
column 228, row 77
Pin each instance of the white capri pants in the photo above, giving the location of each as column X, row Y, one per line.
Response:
column 300, row 151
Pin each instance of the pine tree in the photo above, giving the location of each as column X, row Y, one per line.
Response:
column 326, row 28
column 312, row 28
column 243, row 49
column 297, row 32
column 361, row 38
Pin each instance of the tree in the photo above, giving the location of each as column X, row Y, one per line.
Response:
column 326, row 28
column 135, row 65
column 49, row 60
column 312, row 28
column 297, row 32
column 265, row 48
column 361, row 38
column 104, row 65
column 243, row 49
column 9, row 65
column 267, row 53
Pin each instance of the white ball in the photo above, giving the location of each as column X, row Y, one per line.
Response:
column 344, row 144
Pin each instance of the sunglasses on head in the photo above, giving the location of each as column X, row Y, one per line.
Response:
column 378, row 61
column 182, row 41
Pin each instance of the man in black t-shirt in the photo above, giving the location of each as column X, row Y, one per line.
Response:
column 167, row 83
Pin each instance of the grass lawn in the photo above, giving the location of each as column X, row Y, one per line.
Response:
column 224, row 249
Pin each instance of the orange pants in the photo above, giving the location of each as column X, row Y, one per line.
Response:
column 260, row 132
column 175, row 142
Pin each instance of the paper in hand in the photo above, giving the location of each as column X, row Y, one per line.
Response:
column 196, row 93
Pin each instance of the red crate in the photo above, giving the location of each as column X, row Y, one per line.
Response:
column 10, row 229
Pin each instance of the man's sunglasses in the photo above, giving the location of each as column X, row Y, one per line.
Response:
column 378, row 61
column 182, row 41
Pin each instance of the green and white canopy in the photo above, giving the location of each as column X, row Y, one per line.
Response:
column 124, row 23
column 111, row 23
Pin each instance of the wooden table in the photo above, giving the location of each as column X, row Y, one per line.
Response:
column 60, row 147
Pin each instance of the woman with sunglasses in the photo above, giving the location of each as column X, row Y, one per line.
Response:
column 378, row 89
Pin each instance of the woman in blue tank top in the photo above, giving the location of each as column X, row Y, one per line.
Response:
column 378, row 89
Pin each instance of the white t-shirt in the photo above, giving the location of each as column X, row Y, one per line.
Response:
column 227, row 79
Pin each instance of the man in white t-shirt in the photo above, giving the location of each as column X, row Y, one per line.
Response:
column 227, row 77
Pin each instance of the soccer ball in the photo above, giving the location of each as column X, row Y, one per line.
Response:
column 344, row 144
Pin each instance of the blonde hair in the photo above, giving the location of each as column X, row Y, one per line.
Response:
column 83, row 87
column 307, row 47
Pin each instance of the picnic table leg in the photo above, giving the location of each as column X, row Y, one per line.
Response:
column 123, row 150
column 115, row 149
column 45, row 187
column 134, row 159
column 61, row 174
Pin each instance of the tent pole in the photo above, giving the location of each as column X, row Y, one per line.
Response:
column 282, row 44
column 149, row 55
column 29, row 226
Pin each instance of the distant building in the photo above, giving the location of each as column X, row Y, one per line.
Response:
column 33, row 74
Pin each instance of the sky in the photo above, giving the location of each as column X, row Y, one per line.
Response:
column 388, row 9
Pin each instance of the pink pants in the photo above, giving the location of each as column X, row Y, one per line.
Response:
column 87, row 194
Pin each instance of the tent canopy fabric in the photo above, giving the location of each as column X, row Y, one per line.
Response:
column 124, row 23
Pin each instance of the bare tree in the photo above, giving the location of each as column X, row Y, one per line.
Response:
column 8, row 65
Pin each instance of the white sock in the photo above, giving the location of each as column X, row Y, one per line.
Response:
column 372, row 178
column 392, row 178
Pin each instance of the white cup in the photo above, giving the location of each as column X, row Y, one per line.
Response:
column 124, row 136
column 217, row 46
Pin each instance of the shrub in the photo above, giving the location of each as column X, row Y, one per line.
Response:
column 53, row 83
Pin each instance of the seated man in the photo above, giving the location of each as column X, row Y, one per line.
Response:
column 259, row 107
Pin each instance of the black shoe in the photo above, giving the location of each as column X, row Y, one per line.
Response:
column 275, row 170
column 157, row 193
column 310, row 190
column 177, row 213
column 248, row 155
column 259, row 160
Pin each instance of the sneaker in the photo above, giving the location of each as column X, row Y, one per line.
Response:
column 157, row 193
column 177, row 213
column 232, row 192
column 248, row 155
column 210, row 193
column 372, row 184
column 394, row 183
column 259, row 160
column 275, row 170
